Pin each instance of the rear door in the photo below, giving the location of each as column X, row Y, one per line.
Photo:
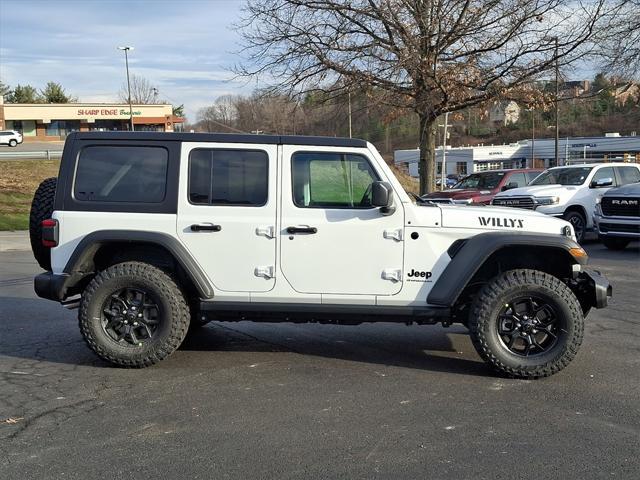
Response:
column 227, row 213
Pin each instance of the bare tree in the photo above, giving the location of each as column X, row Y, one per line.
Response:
column 142, row 92
column 430, row 56
column 221, row 116
column 620, row 44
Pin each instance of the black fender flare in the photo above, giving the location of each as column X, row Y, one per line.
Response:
column 470, row 254
column 81, row 260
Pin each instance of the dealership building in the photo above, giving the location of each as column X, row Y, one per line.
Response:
column 526, row 153
column 54, row 121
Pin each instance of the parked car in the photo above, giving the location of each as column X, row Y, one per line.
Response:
column 570, row 192
column 150, row 235
column 617, row 216
column 450, row 181
column 10, row 137
column 479, row 188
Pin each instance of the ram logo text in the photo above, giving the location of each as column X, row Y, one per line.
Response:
column 501, row 222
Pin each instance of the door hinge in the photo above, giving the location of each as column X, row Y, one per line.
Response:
column 393, row 274
column 393, row 234
column 268, row 232
column 265, row 272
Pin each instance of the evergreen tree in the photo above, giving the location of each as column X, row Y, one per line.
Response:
column 55, row 93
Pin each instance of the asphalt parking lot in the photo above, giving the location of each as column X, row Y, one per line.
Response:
column 314, row 401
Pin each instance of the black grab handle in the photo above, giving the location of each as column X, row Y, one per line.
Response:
column 205, row 227
column 308, row 230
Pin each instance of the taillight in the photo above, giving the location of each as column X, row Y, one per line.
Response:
column 50, row 232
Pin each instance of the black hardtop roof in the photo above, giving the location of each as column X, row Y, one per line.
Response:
column 223, row 138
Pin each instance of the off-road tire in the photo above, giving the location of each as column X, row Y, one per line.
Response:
column 174, row 320
column 41, row 209
column 576, row 219
column 615, row 243
column 516, row 283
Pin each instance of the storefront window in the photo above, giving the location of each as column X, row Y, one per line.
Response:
column 52, row 128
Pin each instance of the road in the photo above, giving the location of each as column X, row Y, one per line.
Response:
column 311, row 401
column 30, row 146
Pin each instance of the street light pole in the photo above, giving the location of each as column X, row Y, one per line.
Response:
column 557, row 140
column 443, row 169
column 350, row 132
column 126, row 61
column 533, row 138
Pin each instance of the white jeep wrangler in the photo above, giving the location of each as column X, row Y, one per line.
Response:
column 155, row 234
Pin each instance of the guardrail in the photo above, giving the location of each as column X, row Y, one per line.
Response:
column 35, row 155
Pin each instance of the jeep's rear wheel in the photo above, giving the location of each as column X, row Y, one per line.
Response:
column 526, row 324
column 613, row 243
column 41, row 209
column 133, row 315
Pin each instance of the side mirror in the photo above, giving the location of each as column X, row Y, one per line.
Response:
column 509, row 186
column 382, row 196
column 603, row 182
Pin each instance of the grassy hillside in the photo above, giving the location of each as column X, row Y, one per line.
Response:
column 18, row 180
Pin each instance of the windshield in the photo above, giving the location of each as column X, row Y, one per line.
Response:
column 477, row 181
column 563, row 176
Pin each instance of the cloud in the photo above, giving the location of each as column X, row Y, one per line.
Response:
column 184, row 48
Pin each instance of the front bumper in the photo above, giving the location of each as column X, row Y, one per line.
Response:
column 627, row 227
column 593, row 289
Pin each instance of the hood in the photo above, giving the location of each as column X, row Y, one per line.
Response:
column 631, row 190
column 539, row 190
column 457, row 193
column 500, row 219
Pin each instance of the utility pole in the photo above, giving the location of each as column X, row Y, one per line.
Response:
column 350, row 132
column 443, row 173
column 533, row 138
column 557, row 142
column 126, row 61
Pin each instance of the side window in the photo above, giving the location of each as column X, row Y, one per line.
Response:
column 628, row 175
column 331, row 180
column 531, row 175
column 228, row 177
column 121, row 174
column 606, row 172
column 517, row 178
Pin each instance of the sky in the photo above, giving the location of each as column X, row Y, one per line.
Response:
column 185, row 48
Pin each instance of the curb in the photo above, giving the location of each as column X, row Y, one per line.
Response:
column 17, row 240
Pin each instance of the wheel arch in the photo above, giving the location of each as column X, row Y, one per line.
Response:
column 581, row 210
column 98, row 250
column 483, row 256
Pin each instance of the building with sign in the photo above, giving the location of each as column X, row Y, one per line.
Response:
column 54, row 121
column 526, row 153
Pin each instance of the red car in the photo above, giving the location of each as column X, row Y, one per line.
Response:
column 480, row 188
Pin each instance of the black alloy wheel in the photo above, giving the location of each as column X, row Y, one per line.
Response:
column 130, row 316
column 579, row 224
column 528, row 326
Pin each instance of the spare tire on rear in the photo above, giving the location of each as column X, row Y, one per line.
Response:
column 41, row 209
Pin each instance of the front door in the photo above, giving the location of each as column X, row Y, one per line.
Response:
column 332, row 240
column 227, row 213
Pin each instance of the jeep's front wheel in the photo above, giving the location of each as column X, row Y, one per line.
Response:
column 133, row 315
column 526, row 324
